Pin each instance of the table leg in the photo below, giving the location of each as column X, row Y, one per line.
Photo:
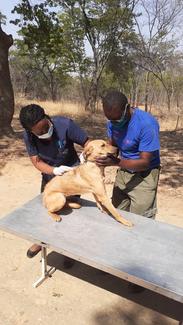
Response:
column 45, row 273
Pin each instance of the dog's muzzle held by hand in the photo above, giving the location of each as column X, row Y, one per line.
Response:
column 109, row 160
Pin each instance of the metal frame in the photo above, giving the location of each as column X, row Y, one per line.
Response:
column 48, row 273
column 45, row 273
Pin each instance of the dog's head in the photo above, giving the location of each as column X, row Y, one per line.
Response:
column 98, row 148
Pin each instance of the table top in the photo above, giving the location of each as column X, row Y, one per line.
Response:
column 149, row 254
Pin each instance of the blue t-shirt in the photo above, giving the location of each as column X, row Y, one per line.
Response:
column 60, row 149
column 141, row 134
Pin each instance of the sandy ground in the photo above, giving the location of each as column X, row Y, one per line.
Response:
column 82, row 295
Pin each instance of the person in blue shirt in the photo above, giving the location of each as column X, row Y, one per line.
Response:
column 50, row 145
column 136, row 134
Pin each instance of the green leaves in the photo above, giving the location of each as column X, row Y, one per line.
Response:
column 58, row 32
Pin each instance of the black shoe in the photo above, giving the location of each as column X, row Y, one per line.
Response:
column 68, row 262
column 134, row 288
column 33, row 250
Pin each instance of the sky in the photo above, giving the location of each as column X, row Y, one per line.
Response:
column 5, row 7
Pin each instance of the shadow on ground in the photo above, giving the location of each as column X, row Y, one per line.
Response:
column 172, row 158
column 148, row 299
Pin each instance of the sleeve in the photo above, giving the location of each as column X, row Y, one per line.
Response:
column 109, row 130
column 149, row 139
column 76, row 134
column 31, row 148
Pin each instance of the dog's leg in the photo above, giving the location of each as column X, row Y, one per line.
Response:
column 55, row 216
column 99, row 206
column 72, row 202
column 104, row 200
column 73, row 205
column 54, row 202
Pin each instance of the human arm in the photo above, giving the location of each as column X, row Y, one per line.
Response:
column 77, row 134
column 148, row 144
column 47, row 169
column 138, row 165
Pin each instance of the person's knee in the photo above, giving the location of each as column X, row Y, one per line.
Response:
column 141, row 207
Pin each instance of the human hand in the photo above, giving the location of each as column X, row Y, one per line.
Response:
column 61, row 170
column 108, row 160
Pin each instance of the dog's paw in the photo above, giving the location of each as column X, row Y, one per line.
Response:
column 126, row 222
column 55, row 216
column 57, row 219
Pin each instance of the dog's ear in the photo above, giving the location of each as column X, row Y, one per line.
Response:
column 88, row 151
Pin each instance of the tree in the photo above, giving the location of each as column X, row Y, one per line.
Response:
column 154, row 48
column 6, row 90
column 105, row 23
column 102, row 23
column 43, row 43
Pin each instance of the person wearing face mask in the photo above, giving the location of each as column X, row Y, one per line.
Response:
column 136, row 134
column 50, row 145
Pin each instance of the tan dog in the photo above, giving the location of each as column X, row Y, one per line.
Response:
column 85, row 178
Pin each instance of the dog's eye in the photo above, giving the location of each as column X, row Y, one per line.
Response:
column 103, row 145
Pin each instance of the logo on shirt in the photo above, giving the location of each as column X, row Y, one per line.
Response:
column 127, row 141
column 61, row 144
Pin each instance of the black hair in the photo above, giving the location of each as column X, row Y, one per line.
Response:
column 30, row 115
column 114, row 99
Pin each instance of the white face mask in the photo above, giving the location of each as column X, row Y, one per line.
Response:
column 48, row 134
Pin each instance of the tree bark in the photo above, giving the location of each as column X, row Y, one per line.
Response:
column 6, row 90
column 147, row 91
column 92, row 96
column 169, row 101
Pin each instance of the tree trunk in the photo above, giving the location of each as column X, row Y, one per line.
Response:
column 177, row 123
column 177, row 101
column 147, row 91
column 52, row 87
column 169, row 101
column 92, row 96
column 6, row 90
column 83, row 87
column 134, row 93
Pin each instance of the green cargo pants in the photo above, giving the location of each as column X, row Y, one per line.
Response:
column 136, row 192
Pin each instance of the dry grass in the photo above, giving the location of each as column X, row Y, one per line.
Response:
column 65, row 108
column 168, row 121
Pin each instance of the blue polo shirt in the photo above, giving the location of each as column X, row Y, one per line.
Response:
column 140, row 134
column 59, row 150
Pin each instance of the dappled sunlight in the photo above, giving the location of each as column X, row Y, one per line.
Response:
column 171, row 159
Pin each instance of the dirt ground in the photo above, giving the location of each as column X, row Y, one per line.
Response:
column 82, row 295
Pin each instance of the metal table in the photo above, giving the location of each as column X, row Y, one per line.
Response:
column 150, row 254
